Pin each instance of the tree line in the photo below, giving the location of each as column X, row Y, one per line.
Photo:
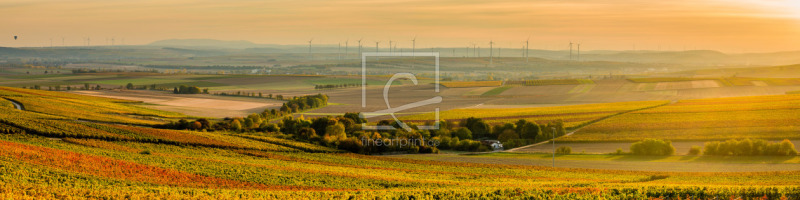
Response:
column 744, row 147
column 334, row 86
column 183, row 89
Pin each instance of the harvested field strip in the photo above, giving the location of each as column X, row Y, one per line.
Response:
column 472, row 84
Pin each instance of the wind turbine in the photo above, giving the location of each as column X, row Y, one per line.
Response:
column 413, row 46
column 579, row 52
column 390, row 46
column 339, row 51
column 413, row 51
column 570, row 50
column 491, row 51
column 376, row 49
column 345, row 47
column 359, row 47
column 310, row 56
column 473, row 50
column 526, row 48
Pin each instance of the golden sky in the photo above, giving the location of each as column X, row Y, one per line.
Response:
column 731, row 26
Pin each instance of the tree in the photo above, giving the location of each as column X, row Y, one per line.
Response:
column 355, row 117
column 236, row 125
column 463, row 133
column 196, row 125
column 175, row 91
column 476, row 126
column 86, row 86
column 695, row 150
column 529, row 131
column 787, row 148
column 307, row 134
column 564, row 150
column 507, row 135
column 653, row 147
column 336, row 131
column 194, row 90
column 129, row 86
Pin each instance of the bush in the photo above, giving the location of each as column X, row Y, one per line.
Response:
column 619, row 151
column 507, row 135
column 653, row 147
column 695, row 150
column 563, row 150
column 748, row 147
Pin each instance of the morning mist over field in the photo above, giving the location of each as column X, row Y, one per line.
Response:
column 399, row 99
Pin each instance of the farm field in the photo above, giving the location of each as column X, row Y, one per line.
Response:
column 762, row 117
column 98, row 159
column 400, row 100
column 459, row 84
column 624, row 162
column 573, row 116
column 681, row 147
column 192, row 105
column 30, row 164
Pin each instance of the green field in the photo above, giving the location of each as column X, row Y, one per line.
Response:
column 496, row 91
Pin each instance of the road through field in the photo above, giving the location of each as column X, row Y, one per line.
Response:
column 524, row 148
column 17, row 104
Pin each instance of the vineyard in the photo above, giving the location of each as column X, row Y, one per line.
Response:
column 761, row 117
column 60, row 156
column 572, row 116
column 79, row 107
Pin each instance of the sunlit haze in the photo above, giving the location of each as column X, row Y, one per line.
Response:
column 729, row 26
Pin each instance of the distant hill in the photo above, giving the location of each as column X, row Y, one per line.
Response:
column 206, row 43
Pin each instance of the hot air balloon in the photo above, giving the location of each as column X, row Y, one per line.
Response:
column 15, row 37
